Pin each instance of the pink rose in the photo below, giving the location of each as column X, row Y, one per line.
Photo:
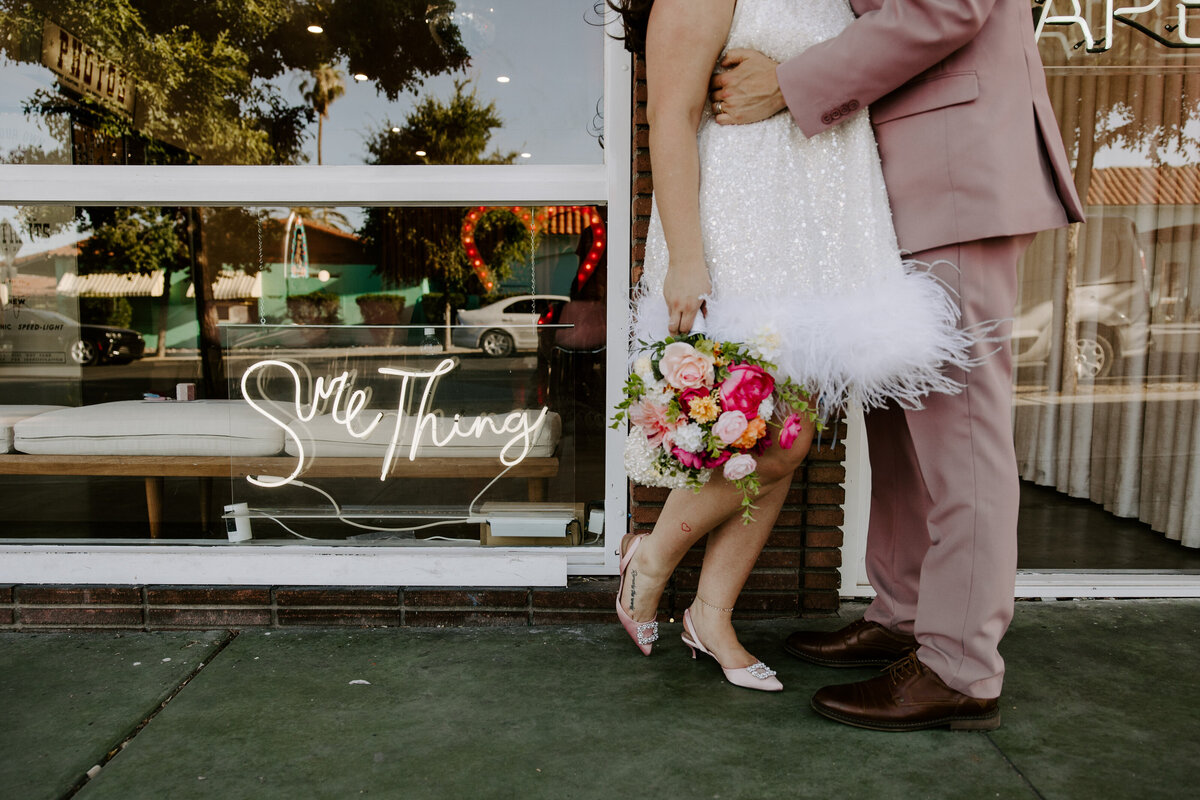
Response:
column 745, row 388
column 792, row 427
column 739, row 466
column 692, row 460
column 685, row 367
column 730, row 426
column 699, row 460
column 652, row 419
column 716, row 461
column 688, row 395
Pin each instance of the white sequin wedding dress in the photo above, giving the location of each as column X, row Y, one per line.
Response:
column 800, row 246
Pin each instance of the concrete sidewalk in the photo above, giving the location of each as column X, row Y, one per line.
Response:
column 1101, row 702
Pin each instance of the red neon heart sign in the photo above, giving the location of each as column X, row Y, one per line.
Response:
column 535, row 220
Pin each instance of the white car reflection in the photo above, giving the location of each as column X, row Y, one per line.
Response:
column 502, row 328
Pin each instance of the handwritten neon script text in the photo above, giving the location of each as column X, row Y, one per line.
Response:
column 347, row 403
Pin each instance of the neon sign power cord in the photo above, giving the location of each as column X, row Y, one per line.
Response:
column 470, row 516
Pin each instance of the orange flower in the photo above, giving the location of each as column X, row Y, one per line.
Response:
column 704, row 409
column 754, row 431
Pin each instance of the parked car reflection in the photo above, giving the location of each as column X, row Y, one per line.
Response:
column 505, row 326
column 29, row 336
column 1175, row 324
column 1111, row 300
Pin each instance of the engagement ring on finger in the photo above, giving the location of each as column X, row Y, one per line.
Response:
column 719, row 107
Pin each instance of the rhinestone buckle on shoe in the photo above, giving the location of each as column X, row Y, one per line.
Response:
column 647, row 638
column 760, row 671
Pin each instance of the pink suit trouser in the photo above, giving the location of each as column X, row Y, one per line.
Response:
column 942, row 539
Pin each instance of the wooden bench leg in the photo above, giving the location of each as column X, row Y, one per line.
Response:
column 537, row 489
column 154, row 493
column 206, row 491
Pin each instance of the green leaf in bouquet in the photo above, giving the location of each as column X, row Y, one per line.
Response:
column 749, row 487
column 635, row 387
column 705, row 345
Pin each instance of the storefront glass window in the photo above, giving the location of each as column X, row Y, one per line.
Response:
column 296, row 82
column 354, row 374
column 1107, row 332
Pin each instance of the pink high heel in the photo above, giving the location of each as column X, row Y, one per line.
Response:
column 644, row 634
column 756, row 676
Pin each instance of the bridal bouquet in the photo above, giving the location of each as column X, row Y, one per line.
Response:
column 696, row 405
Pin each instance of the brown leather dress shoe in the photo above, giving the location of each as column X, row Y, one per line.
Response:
column 908, row 696
column 861, row 643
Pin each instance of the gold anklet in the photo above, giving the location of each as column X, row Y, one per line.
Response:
column 710, row 605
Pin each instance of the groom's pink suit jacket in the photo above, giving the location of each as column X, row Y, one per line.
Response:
column 961, row 115
column 974, row 165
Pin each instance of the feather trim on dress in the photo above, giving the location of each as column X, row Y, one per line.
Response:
column 890, row 340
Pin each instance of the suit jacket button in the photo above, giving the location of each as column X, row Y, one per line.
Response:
column 853, row 105
column 827, row 118
column 845, row 109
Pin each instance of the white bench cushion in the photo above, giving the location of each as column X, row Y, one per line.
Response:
column 11, row 415
column 141, row 428
column 324, row 437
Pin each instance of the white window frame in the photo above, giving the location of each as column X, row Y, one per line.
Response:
column 317, row 565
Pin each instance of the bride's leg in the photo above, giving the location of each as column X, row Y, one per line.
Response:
column 688, row 515
column 729, row 555
column 731, row 552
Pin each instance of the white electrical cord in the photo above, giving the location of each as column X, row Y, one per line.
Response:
column 470, row 517
column 263, row 515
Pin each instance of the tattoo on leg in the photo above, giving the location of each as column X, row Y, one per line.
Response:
column 685, row 527
column 632, row 588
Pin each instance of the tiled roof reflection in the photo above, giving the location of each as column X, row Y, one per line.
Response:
column 1134, row 186
column 233, row 285
column 33, row 286
column 112, row 284
column 70, row 251
column 568, row 219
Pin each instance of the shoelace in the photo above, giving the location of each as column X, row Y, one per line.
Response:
column 909, row 665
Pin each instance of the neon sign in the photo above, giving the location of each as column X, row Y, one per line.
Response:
column 295, row 246
column 1052, row 14
column 347, row 403
column 534, row 222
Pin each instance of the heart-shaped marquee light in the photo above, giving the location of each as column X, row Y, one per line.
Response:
column 535, row 220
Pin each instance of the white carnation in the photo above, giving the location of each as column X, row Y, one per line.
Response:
column 641, row 464
column 767, row 407
column 689, row 437
column 765, row 343
column 659, row 393
column 643, row 368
